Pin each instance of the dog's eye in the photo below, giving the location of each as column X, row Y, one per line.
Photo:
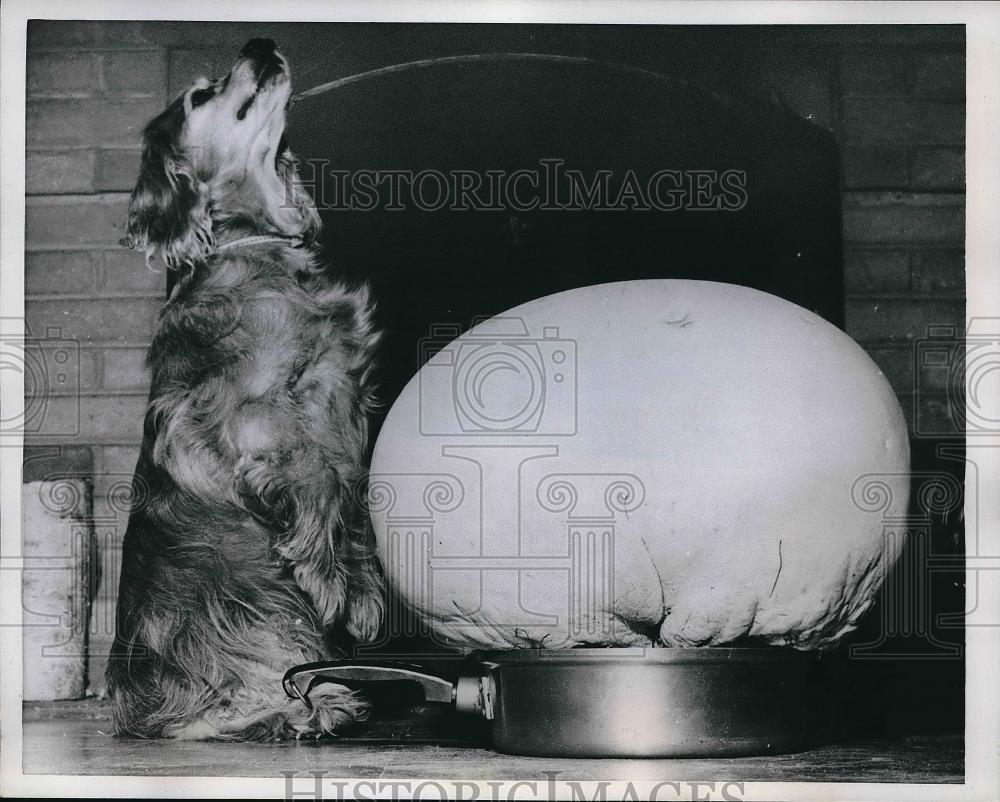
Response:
column 200, row 96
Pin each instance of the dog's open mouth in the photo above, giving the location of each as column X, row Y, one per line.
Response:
column 271, row 69
column 268, row 71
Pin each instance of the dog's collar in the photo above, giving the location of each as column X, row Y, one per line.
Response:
column 259, row 239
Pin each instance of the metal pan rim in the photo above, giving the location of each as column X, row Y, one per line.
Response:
column 633, row 655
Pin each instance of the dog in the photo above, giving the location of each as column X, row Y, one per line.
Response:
column 247, row 550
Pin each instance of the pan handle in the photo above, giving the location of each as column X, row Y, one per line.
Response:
column 469, row 694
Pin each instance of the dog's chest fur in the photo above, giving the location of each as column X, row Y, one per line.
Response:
column 251, row 355
column 240, row 316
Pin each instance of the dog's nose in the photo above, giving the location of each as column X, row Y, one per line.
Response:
column 256, row 48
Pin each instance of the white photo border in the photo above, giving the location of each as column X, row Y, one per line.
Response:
column 982, row 735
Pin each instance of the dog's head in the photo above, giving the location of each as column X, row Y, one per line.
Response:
column 217, row 158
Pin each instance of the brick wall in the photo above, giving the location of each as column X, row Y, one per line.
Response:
column 902, row 132
column 896, row 107
column 86, row 102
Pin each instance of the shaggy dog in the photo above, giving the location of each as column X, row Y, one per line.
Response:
column 246, row 547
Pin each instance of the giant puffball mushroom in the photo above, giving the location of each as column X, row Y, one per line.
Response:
column 668, row 461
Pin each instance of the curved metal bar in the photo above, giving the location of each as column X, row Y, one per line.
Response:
column 481, row 57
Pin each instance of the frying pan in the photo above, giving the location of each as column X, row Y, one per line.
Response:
column 666, row 702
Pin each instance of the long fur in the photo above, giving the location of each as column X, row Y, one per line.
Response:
column 246, row 550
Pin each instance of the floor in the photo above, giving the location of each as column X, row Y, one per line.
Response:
column 72, row 738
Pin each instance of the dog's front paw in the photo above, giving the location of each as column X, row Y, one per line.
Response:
column 366, row 603
column 364, row 617
column 334, row 707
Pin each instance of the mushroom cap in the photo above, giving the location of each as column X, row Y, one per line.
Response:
column 671, row 461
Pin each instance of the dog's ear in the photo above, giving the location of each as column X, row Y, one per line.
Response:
column 168, row 212
column 295, row 197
